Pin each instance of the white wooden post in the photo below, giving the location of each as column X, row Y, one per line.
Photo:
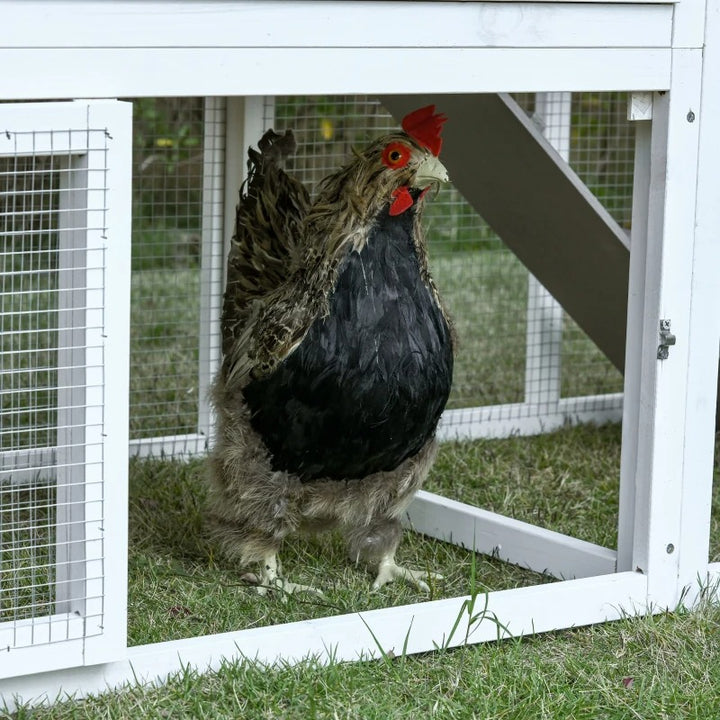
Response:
column 704, row 328
column 640, row 112
column 108, row 381
column 245, row 124
column 71, row 362
column 661, row 484
column 212, row 276
column 93, row 384
column 544, row 314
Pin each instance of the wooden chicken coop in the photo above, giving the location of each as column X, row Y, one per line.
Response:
column 647, row 297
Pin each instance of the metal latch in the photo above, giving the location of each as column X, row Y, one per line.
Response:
column 666, row 340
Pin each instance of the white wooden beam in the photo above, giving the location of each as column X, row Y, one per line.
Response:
column 663, row 484
column 634, row 334
column 513, row 419
column 418, row 628
column 116, row 72
column 212, row 259
column 529, row 546
column 704, row 324
column 201, row 24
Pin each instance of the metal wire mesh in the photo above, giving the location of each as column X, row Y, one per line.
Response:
column 602, row 153
column 485, row 286
column 167, row 218
column 51, row 385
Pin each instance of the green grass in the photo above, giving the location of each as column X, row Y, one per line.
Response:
column 654, row 668
column 164, row 339
column 565, row 481
column 666, row 666
column 27, row 520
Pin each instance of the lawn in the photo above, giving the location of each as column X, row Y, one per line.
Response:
column 661, row 666
column 568, row 481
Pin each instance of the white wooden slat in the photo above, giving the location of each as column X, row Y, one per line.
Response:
column 24, row 131
column 422, row 627
column 71, row 394
column 57, row 638
column 689, row 24
column 212, row 261
column 704, row 325
column 92, row 72
column 169, row 446
column 109, row 603
column 529, row 546
column 201, row 24
column 245, row 125
column 661, row 485
column 633, row 347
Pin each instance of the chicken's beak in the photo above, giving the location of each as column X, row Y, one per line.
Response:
column 430, row 172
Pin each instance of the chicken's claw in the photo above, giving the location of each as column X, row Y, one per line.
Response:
column 389, row 570
column 269, row 579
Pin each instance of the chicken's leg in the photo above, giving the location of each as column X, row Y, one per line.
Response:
column 376, row 544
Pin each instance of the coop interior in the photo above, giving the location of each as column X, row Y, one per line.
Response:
column 544, row 402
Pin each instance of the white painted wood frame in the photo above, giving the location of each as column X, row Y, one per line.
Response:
column 192, row 47
column 538, row 47
column 88, row 621
column 212, row 260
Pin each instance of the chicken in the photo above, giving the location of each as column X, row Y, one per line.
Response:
column 337, row 356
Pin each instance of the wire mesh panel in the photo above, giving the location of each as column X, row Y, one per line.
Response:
column 602, row 153
column 178, row 154
column 53, row 358
column 505, row 364
column 29, row 207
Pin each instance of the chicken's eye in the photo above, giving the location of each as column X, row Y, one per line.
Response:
column 396, row 155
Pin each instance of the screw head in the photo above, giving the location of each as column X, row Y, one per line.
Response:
column 670, row 549
column 691, row 116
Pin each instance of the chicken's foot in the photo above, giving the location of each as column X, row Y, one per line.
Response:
column 270, row 579
column 389, row 570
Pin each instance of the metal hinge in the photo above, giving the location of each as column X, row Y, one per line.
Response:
column 666, row 340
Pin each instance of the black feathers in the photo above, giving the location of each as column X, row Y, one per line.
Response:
column 365, row 388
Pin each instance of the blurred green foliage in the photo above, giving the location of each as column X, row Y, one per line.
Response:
column 167, row 182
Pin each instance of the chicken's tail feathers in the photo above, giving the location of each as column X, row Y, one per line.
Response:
column 277, row 147
column 266, row 247
column 273, row 149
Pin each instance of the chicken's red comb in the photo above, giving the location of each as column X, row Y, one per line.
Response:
column 424, row 125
